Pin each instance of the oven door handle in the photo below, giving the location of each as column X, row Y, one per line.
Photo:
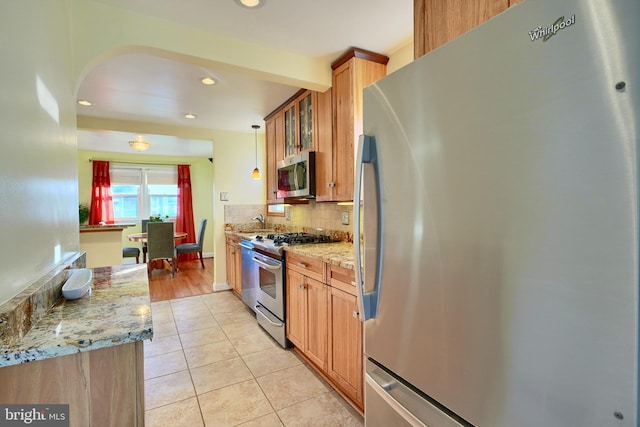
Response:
column 258, row 307
column 267, row 266
column 246, row 245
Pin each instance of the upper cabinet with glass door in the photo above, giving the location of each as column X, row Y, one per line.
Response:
column 305, row 112
column 298, row 124
column 290, row 139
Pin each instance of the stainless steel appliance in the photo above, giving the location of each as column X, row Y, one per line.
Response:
column 270, row 296
column 297, row 176
column 500, row 212
column 249, row 275
column 265, row 281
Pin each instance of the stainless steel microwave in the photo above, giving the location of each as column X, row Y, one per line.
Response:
column 297, row 176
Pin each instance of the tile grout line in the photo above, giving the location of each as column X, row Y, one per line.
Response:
column 195, row 392
column 202, row 299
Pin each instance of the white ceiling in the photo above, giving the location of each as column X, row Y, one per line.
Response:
column 149, row 89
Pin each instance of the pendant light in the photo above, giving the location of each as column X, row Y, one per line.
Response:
column 256, row 172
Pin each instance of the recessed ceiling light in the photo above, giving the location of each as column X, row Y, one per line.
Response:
column 252, row 4
column 208, row 81
column 85, row 102
column 190, row 116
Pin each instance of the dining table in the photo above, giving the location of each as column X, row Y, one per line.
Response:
column 142, row 237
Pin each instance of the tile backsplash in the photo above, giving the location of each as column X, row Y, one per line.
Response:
column 242, row 215
column 321, row 218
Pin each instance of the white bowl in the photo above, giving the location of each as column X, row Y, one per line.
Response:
column 78, row 283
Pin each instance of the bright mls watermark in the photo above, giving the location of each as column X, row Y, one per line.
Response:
column 34, row 415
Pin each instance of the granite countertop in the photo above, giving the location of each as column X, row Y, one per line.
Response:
column 106, row 227
column 339, row 253
column 248, row 235
column 118, row 311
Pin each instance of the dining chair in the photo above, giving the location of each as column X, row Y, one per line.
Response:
column 143, row 229
column 191, row 248
column 131, row 252
column 160, row 244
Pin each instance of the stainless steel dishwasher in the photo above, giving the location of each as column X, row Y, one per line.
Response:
column 249, row 275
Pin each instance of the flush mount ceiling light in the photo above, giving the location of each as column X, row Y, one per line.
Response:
column 85, row 102
column 251, row 4
column 139, row 144
column 190, row 116
column 256, row 172
column 207, row 81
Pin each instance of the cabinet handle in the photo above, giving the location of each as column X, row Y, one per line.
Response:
column 301, row 287
column 301, row 264
column 355, row 314
column 331, row 184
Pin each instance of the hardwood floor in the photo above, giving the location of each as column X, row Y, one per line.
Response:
column 191, row 280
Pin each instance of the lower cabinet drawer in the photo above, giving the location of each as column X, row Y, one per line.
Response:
column 310, row 267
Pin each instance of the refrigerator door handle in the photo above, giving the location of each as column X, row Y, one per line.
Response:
column 368, row 299
column 382, row 391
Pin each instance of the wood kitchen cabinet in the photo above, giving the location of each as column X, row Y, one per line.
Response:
column 345, row 343
column 103, row 387
column 234, row 264
column 323, row 322
column 298, row 125
column 438, row 21
column 274, row 128
column 307, row 308
column 345, row 352
column 302, row 123
column 306, row 119
column 351, row 73
column 317, row 308
column 296, row 308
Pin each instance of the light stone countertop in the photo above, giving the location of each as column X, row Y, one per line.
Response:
column 106, row 227
column 118, row 311
column 339, row 253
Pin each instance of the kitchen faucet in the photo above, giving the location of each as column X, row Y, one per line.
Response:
column 260, row 218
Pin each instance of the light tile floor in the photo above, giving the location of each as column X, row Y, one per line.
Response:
column 210, row 364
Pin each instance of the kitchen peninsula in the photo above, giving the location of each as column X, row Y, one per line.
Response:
column 87, row 353
column 102, row 243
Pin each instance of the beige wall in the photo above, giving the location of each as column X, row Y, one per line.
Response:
column 201, row 181
column 234, row 160
column 400, row 58
column 38, row 175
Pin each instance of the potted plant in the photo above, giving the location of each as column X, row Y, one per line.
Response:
column 83, row 213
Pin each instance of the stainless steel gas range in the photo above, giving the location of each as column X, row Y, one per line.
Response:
column 263, row 278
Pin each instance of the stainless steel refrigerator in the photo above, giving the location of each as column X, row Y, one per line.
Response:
column 500, row 219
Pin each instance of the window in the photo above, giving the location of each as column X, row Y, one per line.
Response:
column 139, row 192
column 275, row 210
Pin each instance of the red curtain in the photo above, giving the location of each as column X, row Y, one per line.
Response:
column 184, row 217
column 101, row 209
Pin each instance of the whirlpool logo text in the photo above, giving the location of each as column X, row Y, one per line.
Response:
column 544, row 33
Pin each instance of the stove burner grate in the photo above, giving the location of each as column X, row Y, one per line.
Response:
column 297, row 238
